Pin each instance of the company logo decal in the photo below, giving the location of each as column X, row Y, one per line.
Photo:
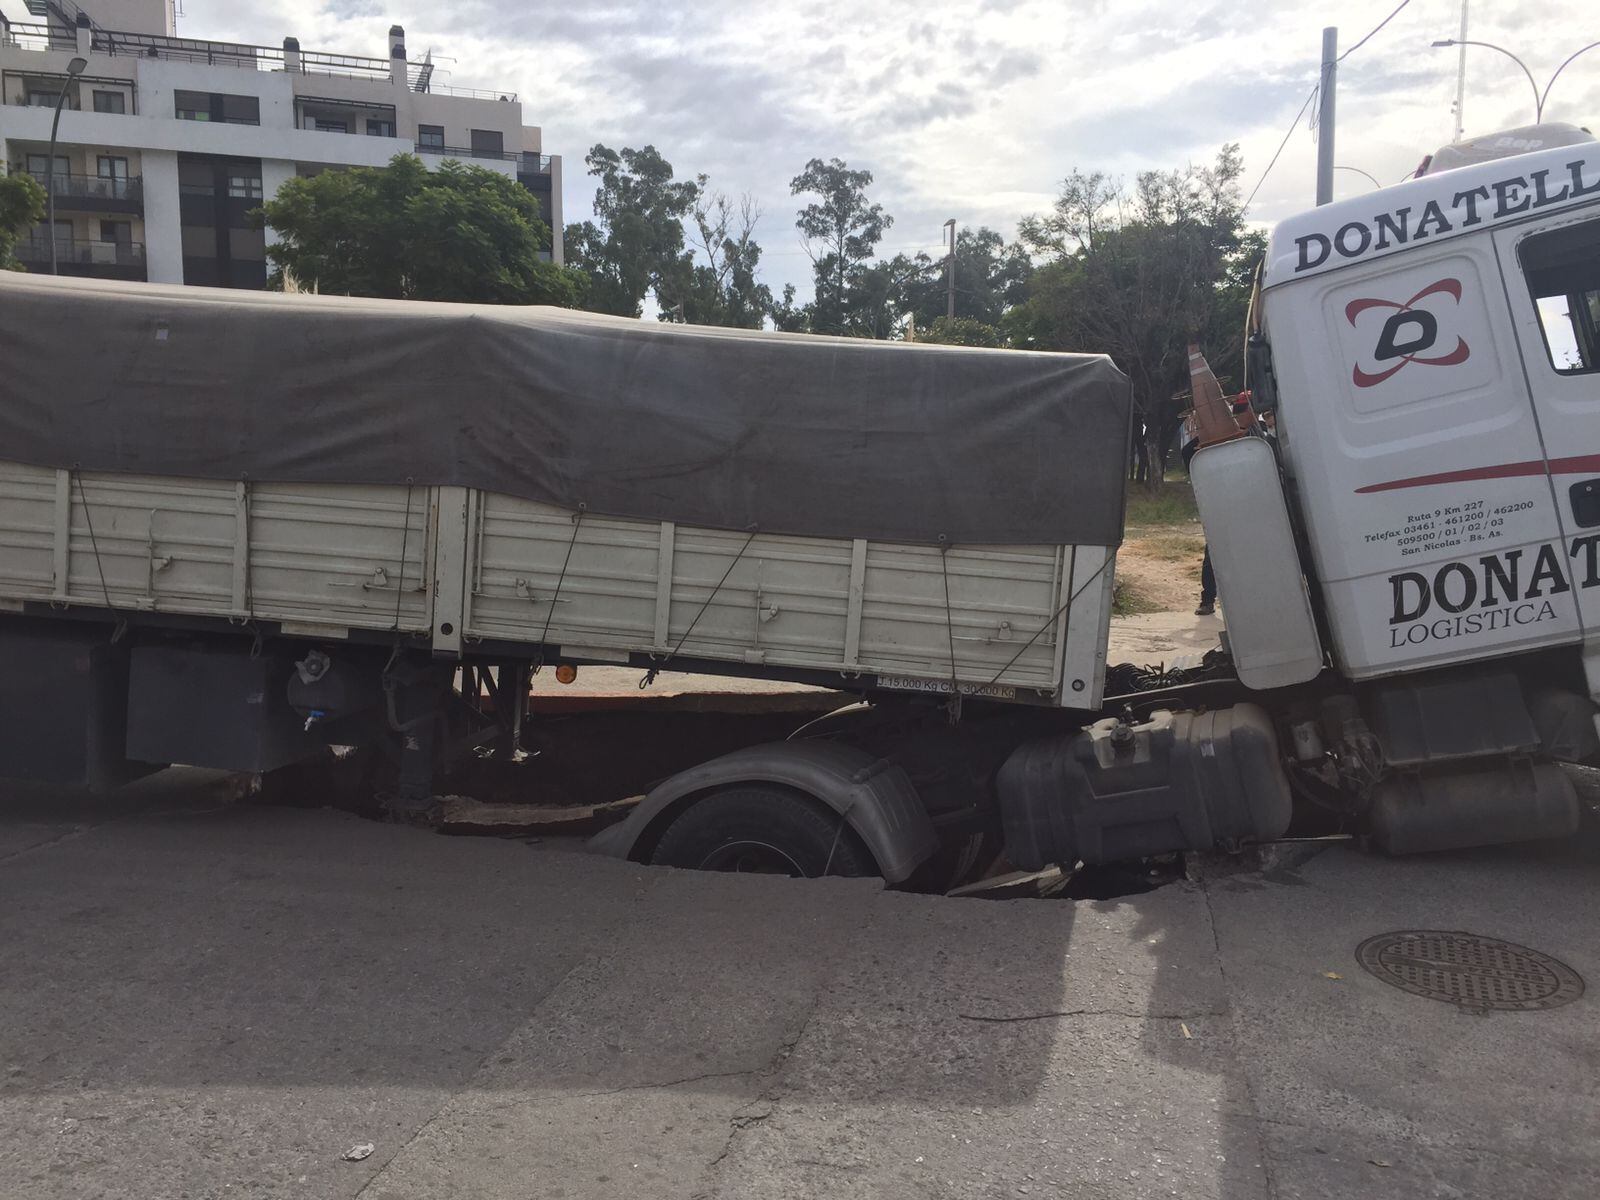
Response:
column 1465, row 210
column 1493, row 592
column 1408, row 331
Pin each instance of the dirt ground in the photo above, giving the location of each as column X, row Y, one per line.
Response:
column 1158, row 568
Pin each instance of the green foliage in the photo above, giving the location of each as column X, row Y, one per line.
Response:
column 22, row 203
column 1139, row 276
column 635, row 243
column 1128, row 601
column 723, row 289
column 787, row 316
column 461, row 233
column 963, row 331
column 991, row 278
column 842, row 228
column 1172, row 505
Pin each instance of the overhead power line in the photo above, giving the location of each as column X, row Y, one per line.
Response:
column 1312, row 95
column 1375, row 29
column 1288, row 133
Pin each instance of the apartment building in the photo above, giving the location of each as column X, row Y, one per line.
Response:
column 167, row 143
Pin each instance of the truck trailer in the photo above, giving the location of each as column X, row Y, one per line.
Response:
column 239, row 528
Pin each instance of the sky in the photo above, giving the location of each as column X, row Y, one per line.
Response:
column 970, row 110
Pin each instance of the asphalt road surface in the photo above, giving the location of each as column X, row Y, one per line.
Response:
column 203, row 1000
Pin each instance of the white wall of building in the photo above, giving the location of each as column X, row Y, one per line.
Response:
column 152, row 137
column 163, row 227
column 131, row 16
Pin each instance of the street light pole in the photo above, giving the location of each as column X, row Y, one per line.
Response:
column 1538, row 100
column 74, row 69
column 1557, row 75
column 1359, row 171
column 950, row 272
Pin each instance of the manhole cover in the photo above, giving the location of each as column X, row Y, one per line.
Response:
column 1474, row 972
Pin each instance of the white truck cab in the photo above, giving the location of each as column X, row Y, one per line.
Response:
column 1437, row 369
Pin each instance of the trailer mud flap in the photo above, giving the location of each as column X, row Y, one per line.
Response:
column 1179, row 781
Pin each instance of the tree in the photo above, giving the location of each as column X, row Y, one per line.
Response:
column 789, row 317
column 722, row 290
column 883, row 294
column 635, row 243
column 1139, row 277
column 991, row 278
column 963, row 331
column 22, row 203
column 841, row 229
column 461, row 233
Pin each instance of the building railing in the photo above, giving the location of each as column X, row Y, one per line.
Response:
column 92, row 187
column 51, row 36
column 81, row 252
column 27, row 35
column 467, row 152
column 534, row 164
column 450, row 89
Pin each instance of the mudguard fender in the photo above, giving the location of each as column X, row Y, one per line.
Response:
column 873, row 795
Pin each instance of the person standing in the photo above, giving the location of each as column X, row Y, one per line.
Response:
column 1208, row 577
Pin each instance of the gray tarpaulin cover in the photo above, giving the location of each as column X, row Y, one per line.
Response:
column 827, row 437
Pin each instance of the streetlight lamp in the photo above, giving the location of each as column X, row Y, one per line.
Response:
column 74, row 69
column 1539, row 97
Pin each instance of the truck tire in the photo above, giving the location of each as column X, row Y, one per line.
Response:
column 766, row 830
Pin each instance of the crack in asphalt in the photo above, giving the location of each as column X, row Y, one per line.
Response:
column 75, row 831
column 586, row 961
column 1244, row 1071
column 1092, row 1012
column 554, row 1097
column 763, row 1106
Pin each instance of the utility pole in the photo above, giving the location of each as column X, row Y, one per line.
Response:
column 1330, row 71
column 1461, row 76
column 950, row 272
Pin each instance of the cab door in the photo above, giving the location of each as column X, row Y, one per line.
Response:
column 1552, row 274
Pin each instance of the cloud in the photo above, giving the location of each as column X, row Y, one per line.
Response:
column 971, row 110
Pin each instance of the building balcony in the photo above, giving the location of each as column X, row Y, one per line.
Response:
column 81, row 256
column 93, row 193
column 468, row 152
column 327, row 115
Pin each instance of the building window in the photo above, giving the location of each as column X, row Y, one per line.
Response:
column 38, row 164
column 241, row 110
column 215, row 106
column 377, row 128
column 40, row 235
column 1563, row 272
column 244, row 186
column 117, row 231
column 110, row 102
column 114, row 173
column 488, row 143
column 430, row 137
column 329, row 125
column 38, row 98
column 192, row 106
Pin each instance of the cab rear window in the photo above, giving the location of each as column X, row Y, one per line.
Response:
column 1562, row 268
